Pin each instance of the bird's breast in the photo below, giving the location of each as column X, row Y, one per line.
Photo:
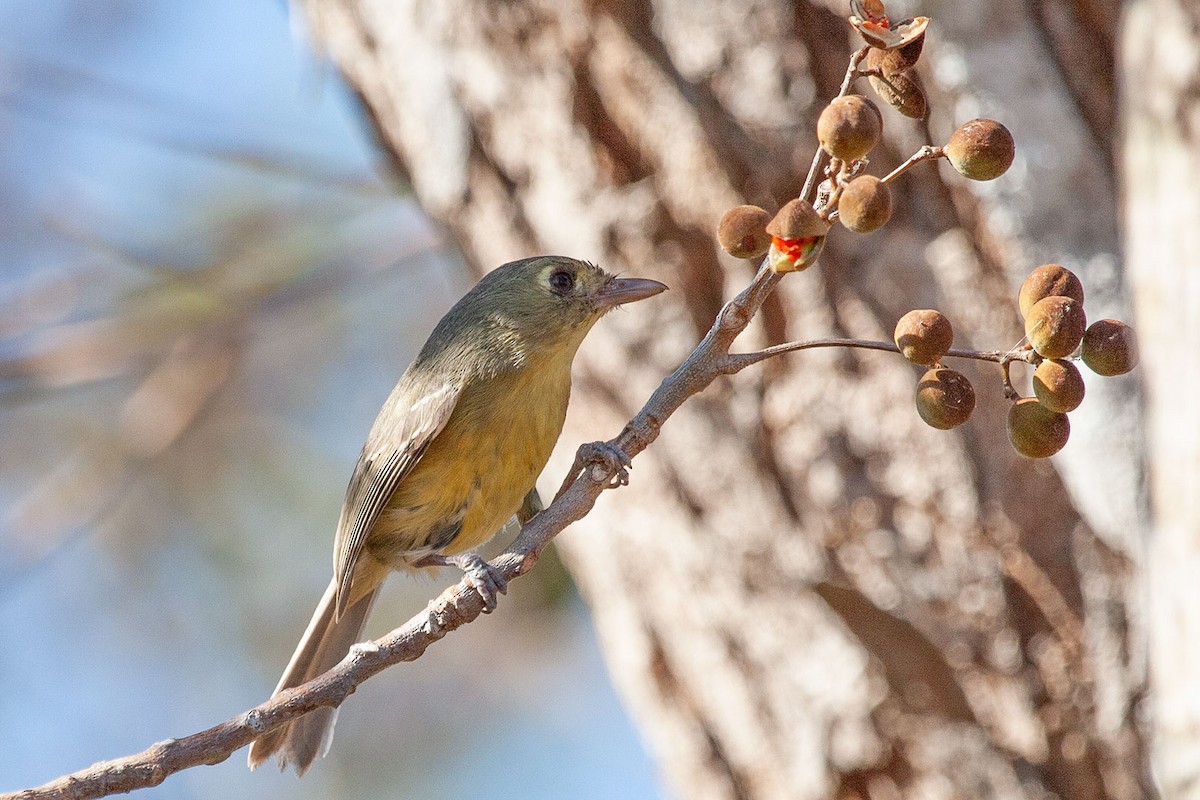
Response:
column 476, row 472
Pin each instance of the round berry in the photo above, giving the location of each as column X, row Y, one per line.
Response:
column 1110, row 347
column 945, row 398
column 924, row 336
column 1036, row 431
column 1058, row 385
column 1055, row 326
column 866, row 204
column 742, row 232
column 1048, row 280
column 981, row 150
column 849, row 127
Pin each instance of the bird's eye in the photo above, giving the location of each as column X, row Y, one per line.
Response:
column 562, row 281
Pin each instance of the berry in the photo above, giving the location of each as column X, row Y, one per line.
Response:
column 797, row 220
column 866, row 204
column 1055, row 326
column 981, row 149
column 742, row 232
column 945, row 398
column 1048, row 280
column 1110, row 347
column 849, row 127
column 924, row 336
column 1036, row 431
column 797, row 237
column 1058, row 385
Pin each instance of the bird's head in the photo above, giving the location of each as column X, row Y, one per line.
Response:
column 553, row 299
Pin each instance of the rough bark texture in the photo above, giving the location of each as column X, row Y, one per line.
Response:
column 1161, row 203
column 805, row 592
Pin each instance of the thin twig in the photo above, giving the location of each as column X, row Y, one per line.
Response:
column 736, row 362
column 926, row 153
column 851, row 73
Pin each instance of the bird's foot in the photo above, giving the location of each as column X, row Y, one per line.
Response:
column 487, row 580
column 612, row 462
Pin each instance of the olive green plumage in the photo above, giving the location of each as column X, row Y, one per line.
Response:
column 453, row 454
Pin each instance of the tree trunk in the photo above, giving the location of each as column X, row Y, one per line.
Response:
column 805, row 592
column 1161, row 203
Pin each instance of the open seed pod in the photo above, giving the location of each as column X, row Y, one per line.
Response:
column 797, row 236
column 885, row 36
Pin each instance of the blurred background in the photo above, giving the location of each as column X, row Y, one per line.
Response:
column 212, row 277
column 209, row 282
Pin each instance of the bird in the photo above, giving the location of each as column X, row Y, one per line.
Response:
column 452, row 456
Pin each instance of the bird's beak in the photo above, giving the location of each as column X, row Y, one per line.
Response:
column 619, row 291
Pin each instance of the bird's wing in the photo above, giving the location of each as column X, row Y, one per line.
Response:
column 391, row 452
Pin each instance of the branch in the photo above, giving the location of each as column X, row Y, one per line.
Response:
column 926, row 153
column 739, row 361
column 453, row 608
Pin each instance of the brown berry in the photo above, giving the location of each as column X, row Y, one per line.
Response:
column 902, row 91
column 981, row 150
column 1058, row 385
column 866, row 204
column 1048, row 280
column 797, row 220
column 849, row 127
column 1055, row 326
column 1036, row 431
column 1110, row 347
column 924, row 336
column 742, row 232
column 945, row 398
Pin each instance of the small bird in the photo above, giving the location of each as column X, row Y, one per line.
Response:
column 452, row 456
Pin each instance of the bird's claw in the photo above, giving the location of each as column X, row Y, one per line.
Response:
column 485, row 579
column 612, row 463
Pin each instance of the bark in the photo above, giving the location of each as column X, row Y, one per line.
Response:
column 804, row 592
column 1161, row 203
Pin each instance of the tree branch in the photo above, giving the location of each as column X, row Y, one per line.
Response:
column 737, row 362
column 453, row 608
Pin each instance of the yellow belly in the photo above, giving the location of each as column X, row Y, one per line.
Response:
column 476, row 472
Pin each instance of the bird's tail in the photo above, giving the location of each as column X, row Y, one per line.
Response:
column 323, row 645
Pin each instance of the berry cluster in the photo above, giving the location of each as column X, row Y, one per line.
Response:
column 847, row 130
column 1051, row 299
